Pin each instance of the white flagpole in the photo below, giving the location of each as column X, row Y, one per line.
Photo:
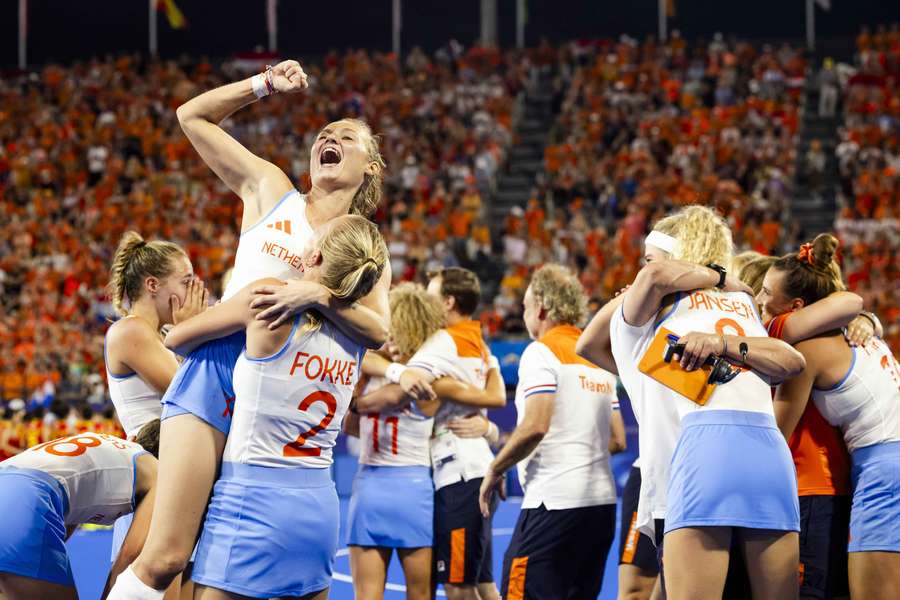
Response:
column 663, row 25
column 396, row 24
column 23, row 34
column 520, row 23
column 272, row 24
column 810, row 24
column 154, row 47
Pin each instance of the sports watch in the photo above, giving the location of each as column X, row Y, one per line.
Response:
column 721, row 271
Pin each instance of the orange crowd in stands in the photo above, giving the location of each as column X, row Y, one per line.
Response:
column 90, row 150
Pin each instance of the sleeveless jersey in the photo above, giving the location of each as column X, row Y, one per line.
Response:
column 394, row 438
column 658, row 409
column 135, row 400
column 865, row 404
column 96, row 470
column 289, row 407
column 569, row 468
column 272, row 247
column 817, row 447
column 459, row 352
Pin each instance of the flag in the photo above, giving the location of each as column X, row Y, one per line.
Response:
column 670, row 8
column 173, row 13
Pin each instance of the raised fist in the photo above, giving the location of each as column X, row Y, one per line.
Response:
column 288, row 77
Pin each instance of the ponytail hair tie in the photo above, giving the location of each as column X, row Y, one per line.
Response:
column 806, row 254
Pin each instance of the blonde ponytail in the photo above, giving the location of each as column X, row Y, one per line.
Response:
column 353, row 257
column 135, row 260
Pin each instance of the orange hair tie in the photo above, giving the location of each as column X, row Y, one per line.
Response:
column 806, row 253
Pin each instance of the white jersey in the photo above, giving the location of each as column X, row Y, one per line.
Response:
column 289, row 407
column 458, row 352
column 657, row 408
column 272, row 247
column 865, row 404
column 569, row 468
column 394, row 438
column 136, row 401
column 96, row 470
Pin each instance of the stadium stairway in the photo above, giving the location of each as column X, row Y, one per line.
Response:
column 814, row 211
column 526, row 158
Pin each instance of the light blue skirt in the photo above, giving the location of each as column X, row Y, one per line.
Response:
column 391, row 507
column 33, row 506
column 269, row 532
column 203, row 386
column 875, row 514
column 732, row 468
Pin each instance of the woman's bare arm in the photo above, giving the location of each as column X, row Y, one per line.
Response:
column 832, row 312
column 594, row 343
column 218, row 321
column 259, row 183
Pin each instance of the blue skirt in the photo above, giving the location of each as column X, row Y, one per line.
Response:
column 391, row 507
column 269, row 532
column 203, row 386
column 875, row 514
column 33, row 506
column 732, row 468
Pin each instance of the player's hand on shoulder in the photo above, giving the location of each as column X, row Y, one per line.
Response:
column 289, row 77
column 474, row 426
column 859, row 331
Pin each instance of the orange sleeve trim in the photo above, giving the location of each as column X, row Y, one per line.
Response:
column 631, row 541
column 458, row 555
column 516, row 587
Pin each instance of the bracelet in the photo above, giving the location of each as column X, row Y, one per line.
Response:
column 724, row 345
column 871, row 317
column 270, row 79
column 393, row 372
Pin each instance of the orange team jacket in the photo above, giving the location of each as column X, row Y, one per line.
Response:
column 818, row 450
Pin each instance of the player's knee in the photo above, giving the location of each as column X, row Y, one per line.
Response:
column 461, row 592
column 159, row 571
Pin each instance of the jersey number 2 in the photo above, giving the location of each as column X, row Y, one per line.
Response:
column 298, row 446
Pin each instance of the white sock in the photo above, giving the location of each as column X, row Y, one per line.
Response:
column 128, row 586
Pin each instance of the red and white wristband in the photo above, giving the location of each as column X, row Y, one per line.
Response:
column 263, row 84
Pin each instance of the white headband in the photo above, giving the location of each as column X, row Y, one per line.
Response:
column 660, row 240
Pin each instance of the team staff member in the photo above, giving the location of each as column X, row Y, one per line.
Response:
column 50, row 489
column 462, row 535
column 858, row 390
column 568, row 423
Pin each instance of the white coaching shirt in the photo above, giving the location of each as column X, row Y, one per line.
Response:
column 289, row 407
column 569, row 468
column 658, row 409
column 398, row 437
column 96, row 470
column 272, row 247
column 459, row 352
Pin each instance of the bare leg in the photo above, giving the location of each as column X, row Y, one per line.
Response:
column 456, row 591
column 874, row 575
column 190, row 451
column 17, row 587
column 696, row 562
column 635, row 583
column 488, row 591
column 369, row 569
column 416, row 563
column 772, row 559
